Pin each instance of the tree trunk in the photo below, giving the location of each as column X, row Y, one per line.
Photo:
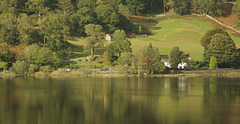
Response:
column 119, row 54
column 92, row 52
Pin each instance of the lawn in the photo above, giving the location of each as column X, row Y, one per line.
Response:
column 184, row 32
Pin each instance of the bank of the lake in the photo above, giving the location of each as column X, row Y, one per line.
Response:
column 175, row 73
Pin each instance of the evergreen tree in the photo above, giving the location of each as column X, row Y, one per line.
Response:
column 175, row 57
column 213, row 63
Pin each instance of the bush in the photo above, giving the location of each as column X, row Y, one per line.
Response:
column 45, row 69
column 213, row 63
column 204, row 68
column 33, row 68
column 20, row 67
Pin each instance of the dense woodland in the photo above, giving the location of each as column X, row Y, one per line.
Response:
column 34, row 33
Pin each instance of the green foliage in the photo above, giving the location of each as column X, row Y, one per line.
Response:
column 105, row 57
column 182, row 7
column 135, row 6
column 213, row 63
column 175, row 57
column 3, row 65
column 224, row 49
column 55, row 32
column 8, row 28
column 123, row 9
column 40, row 56
column 140, row 29
column 149, row 60
column 66, row 6
column 5, row 54
column 27, row 34
column 210, row 6
column 38, row 7
column 206, row 40
column 107, row 17
column 45, row 69
column 33, row 68
column 84, row 16
column 19, row 67
column 120, row 43
column 95, row 37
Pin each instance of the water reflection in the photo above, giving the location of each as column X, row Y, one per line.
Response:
column 119, row 100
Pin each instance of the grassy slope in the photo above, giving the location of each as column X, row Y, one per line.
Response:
column 185, row 32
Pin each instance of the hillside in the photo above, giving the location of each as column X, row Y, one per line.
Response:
column 165, row 33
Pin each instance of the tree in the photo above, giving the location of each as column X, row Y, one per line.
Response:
column 39, row 7
column 107, row 17
column 121, row 44
column 8, row 28
column 206, row 40
column 66, row 6
column 27, row 33
column 149, row 60
column 176, row 56
column 95, row 36
column 224, row 49
column 135, row 6
column 55, row 33
column 85, row 16
column 213, row 63
column 182, row 7
column 40, row 56
column 210, row 6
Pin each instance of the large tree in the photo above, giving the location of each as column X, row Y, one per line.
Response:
column 121, row 44
column 95, row 37
column 182, row 7
column 176, row 56
column 210, row 6
column 224, row 49
column 8, row 28
column 55, row 33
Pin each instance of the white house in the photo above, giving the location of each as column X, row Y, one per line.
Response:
column 166, row 62
column 181, row 65
column 108, row 37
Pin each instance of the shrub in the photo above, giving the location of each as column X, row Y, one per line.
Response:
column 20, row 67
column 213, row 63
column 45, row 69
column 33, row 68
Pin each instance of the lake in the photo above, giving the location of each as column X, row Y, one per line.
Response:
column 111, row 100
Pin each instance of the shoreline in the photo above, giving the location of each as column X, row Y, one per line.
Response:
column 76, row 74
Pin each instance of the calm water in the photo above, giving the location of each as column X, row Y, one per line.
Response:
column 120, row 101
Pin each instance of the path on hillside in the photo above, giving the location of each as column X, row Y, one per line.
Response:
column 227, row 26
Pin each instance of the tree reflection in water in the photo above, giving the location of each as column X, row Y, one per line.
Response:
column 119, row 100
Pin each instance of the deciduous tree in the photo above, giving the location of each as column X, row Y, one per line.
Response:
column 95, row 36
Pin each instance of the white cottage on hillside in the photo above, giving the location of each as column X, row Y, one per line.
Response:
column 108, row 37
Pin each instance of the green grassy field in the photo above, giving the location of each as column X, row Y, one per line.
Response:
column 185, row 32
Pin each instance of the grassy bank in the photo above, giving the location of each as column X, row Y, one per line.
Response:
column 79, row 75
column 168, row 32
